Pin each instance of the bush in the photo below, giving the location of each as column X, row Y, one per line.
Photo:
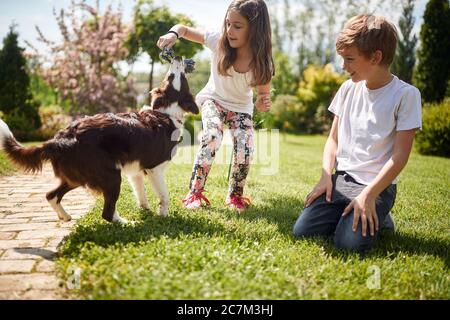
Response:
column 288, row 114
column 315, row 94
column 24, row 121
column 19, row 108
column 53, row 119
column 434, row 139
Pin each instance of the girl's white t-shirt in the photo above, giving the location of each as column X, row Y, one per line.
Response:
column 232, row 92
column 368, row 122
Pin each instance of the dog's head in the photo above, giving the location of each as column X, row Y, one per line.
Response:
column 174, row 91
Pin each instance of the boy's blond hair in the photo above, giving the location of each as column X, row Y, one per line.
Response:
column 369, row 33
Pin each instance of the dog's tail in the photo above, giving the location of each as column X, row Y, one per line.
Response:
column 29, row 159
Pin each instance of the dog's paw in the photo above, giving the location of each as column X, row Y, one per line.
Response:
column 130, row 223
column 118, row 219
column 163, row 213
column 64, row 217
column 145, row 206
column 125, row 222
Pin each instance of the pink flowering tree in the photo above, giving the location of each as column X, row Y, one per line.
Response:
column 83, row 67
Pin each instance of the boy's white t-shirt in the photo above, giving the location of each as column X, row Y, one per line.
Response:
column 232, row 92
column 368, row 122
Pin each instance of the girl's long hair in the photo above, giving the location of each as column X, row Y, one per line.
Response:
column 260, row 38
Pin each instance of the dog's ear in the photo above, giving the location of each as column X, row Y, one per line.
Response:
column 188, row 104
column 159, row 99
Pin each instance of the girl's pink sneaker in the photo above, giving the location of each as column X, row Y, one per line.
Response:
column 238, row 202
column 193, row 200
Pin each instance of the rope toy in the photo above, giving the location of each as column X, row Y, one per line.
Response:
column 168, row 55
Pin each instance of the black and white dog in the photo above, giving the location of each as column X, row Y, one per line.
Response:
column 93, row 151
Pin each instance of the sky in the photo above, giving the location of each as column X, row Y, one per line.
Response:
column 29, row 13
column 208, row 14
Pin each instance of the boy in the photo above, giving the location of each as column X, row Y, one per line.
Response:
column 375, row 119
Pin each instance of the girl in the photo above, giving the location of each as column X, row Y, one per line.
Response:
column 241, row 60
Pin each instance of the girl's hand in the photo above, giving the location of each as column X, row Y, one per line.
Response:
column 325, row 185
column 363, row 207
column 263, row 102
column 167, row 41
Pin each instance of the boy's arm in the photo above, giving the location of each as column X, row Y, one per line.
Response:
column 364, row 203
column 402, row 148
column 188, row 33
column 325, row 185
column 263, row 101
column 329, row 153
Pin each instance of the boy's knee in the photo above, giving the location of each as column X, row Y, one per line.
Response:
column 305, row 227
column 353, row 241
column 300, row 230
column 301, row 226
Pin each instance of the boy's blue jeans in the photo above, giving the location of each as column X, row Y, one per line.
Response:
column 324, row 218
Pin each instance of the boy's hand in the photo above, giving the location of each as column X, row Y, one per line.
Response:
column 263, row 102
column 325, row 185
column 363, row 207
column 167, row 41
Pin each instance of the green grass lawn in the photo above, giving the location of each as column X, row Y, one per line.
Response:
column 218, row 254
column 6, row 167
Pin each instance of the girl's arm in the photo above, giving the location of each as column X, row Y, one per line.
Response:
column 325, row 185
column 263, row 102
column 188, row 33
column 264, row 89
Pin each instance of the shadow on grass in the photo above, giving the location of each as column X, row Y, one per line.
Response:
column 392, row 244
column 107, row 234
column 398, row 242
column 177, row 224
column 285, row 211
column 282, row 211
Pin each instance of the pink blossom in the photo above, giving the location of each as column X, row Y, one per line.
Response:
column 82, row 66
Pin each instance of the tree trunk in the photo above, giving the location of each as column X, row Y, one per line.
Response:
column 150, row 82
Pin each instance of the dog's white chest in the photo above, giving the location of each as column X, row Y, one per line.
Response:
column 177, row 83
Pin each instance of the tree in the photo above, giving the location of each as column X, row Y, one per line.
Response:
column 433, row 70
column 405, row 58
column 83, row 67
column 305, row 54
column 315, row 93
column 150, row 23
column 284, row 82
column 16, row 101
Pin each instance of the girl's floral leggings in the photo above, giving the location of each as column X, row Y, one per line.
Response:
column 241, row 128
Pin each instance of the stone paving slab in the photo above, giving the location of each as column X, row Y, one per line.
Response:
column 7, row 235
column 24, row 282
column 45, row 266
column 24, row 243
column 30, row 233
column 16, row 266
column 43, row 234
column 41, row 295
column 29, row 226
column 12, row 220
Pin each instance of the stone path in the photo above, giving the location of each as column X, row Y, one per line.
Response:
column 30, row 232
